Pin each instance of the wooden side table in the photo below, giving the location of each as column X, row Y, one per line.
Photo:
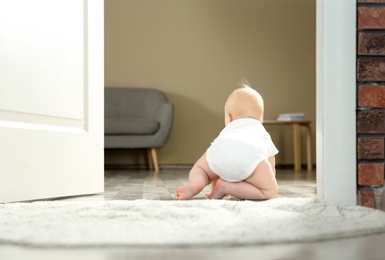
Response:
column 297, row 140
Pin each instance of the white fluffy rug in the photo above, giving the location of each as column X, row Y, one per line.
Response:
column 183, row 223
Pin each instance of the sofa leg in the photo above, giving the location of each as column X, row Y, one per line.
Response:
column 149, row 159
column 154, row 156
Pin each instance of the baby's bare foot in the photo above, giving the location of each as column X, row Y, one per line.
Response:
column 188, row 191
column 226, row 197
column 218, row 191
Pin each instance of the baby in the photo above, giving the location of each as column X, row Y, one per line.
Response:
column 241, row 160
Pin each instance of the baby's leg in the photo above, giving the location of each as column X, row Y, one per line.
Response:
column 260, row 185
column 213, row 184
column 199, row 177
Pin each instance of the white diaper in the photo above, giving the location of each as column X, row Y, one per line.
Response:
column 239, row 149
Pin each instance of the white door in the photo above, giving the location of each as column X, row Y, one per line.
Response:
column 51, row 98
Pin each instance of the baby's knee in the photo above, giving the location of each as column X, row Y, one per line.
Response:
column 272, row 192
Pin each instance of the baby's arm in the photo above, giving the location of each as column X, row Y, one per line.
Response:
column 200, row 175
column 272, row 163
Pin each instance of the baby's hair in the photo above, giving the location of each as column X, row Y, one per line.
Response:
column 244, row 83
column 251, row 104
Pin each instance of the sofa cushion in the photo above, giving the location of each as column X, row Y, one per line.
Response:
column 130, row 127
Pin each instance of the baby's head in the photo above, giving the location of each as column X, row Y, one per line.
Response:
column 244, row 102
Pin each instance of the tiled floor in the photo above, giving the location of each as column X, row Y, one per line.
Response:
column 129, row 185
column 143, row 184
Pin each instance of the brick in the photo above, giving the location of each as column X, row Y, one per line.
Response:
column 371, row 96
column 370, row 148
column 371, row 122
column 371, row 174
column 366, row 198
column 371, row 18
column 371, row 70
column 371, row 44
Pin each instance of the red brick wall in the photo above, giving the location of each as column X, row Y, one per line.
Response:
column 370, row 99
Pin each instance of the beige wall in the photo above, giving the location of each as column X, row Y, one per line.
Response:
column 196, row 51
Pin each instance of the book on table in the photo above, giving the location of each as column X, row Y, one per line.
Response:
column 291, row 117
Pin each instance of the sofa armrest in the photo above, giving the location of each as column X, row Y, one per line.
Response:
column 165, row 116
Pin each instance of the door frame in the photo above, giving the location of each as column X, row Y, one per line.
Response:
column 336, row 100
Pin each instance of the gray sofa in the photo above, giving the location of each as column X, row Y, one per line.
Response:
column 137, row 118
